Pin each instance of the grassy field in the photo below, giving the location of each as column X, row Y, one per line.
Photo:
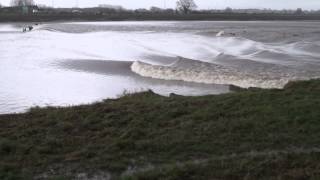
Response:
column 250, row 134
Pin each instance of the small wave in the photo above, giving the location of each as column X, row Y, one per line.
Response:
column 305, row 48
column 49, row 29
column 209, row 73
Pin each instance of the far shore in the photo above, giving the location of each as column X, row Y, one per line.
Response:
column 157, row 17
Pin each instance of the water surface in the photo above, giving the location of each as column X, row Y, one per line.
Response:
column 62, row 64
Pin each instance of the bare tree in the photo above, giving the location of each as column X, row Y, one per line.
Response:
column 22, row 2
column 228, row 10
column 155, row 9
column 299, row 11
column 185, row 6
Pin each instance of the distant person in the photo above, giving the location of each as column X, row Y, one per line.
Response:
column 30, row 28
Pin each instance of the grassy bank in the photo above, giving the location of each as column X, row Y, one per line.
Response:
column 250, row 134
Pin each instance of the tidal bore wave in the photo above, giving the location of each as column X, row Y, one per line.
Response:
column 209, row 73
column 236, row 60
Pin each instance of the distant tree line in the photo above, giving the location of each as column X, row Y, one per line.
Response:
column 183, row 7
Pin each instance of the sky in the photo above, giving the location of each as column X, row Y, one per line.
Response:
column 202, row 4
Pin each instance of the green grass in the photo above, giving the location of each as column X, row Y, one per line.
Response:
column 250, row 134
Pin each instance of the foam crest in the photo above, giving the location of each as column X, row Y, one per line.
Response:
column 150, row 42
column 208, row 73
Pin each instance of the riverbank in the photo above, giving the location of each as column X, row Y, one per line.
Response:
column 250, row 134
column 155, row 17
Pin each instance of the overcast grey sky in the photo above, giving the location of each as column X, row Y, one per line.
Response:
column 203, row 4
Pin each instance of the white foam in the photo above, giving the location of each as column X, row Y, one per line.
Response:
column 132, row 45
column 220, row 33
column 208, row 73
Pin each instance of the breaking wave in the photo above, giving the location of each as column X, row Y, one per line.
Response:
column 218, row 59
column 209, row 73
